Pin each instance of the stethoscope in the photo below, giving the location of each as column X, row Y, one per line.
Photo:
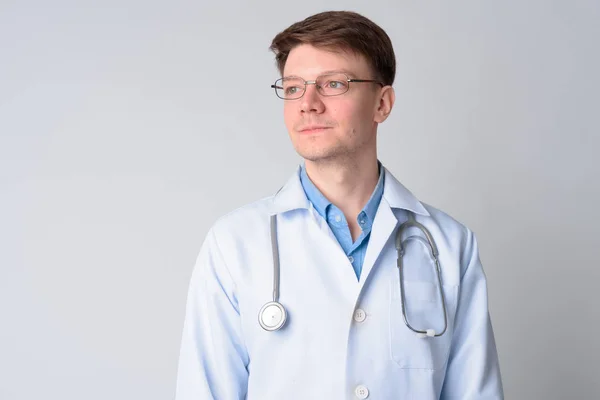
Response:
column 272, row 316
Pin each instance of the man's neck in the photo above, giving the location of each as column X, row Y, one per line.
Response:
column 348, row 185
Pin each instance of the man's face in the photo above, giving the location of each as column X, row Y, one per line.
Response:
column 346, row 122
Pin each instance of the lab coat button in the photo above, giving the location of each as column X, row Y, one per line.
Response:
column 360, row 315
column 361, row 392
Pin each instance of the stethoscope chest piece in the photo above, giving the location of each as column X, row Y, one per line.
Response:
column 272, row 316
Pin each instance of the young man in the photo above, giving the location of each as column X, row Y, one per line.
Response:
column 330, row 289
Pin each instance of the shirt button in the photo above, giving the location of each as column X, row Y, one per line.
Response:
column 362, row 221
column 360, row 315
column 338, row 218
column 361, row 392
column 351, row 259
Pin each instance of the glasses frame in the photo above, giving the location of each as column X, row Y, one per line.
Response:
column 314, row 82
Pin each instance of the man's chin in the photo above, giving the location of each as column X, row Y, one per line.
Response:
column 317, row 155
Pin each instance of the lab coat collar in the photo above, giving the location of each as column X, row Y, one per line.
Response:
column 291, row 196
column 398, row 196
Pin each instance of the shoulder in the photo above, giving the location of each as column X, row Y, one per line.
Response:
column 445, row 220
column 456, row 235
column 244, row 220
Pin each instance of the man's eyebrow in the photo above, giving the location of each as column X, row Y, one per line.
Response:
column 331, row 71
column 335, row 71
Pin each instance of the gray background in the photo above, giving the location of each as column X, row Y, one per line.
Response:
column 128, row 127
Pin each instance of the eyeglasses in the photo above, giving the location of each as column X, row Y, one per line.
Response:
column 327, row 85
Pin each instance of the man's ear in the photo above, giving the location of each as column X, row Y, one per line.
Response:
column 386, row 103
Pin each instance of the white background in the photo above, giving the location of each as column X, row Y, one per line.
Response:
column 127, row 127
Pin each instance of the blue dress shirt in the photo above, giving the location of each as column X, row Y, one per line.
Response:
column 355, row 251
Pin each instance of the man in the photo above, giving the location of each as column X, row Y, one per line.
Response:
column 304, row 295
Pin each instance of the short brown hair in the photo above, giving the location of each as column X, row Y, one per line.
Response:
column 340, row 30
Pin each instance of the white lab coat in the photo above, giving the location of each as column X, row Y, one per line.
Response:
column 327, row 350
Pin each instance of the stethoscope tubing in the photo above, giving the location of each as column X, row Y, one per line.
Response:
column 434, row 255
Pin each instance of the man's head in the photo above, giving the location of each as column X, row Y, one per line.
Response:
column 332, row 47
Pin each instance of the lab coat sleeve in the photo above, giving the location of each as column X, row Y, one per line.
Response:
column 473, row 369
column 213, row 359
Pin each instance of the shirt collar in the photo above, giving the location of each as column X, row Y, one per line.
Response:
column 313, row 194
column 292, row 196
column 373, row 203
column 320, row 202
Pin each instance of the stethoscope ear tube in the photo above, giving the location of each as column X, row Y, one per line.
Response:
column 412, row 222
column 435, row 256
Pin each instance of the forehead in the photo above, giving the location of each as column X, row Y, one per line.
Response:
column 308, row 62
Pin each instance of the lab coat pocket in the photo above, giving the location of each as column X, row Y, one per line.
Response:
column 423, row 311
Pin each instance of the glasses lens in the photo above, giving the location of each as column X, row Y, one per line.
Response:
column 289, row 88
column 332, row 84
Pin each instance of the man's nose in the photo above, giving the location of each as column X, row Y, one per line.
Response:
column 311, row 101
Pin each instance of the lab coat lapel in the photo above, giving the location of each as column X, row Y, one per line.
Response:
column 395, row 195
column 346, row 276
column 290, row 197
column 384, row 224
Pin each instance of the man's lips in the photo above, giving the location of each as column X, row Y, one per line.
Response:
column 313, row 129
